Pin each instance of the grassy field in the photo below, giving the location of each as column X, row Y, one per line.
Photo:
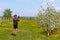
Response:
column 27, row 30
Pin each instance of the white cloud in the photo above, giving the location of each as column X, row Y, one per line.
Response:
column 52, row 0
column 0, row 8
column 48, row 0
column 57, row 8
column 44, row 0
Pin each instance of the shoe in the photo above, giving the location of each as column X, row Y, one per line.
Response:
column 13, row 34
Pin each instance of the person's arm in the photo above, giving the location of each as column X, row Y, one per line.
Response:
column 18, row 18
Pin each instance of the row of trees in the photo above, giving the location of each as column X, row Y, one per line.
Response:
column 48, row 19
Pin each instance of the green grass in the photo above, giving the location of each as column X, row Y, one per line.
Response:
column 27, row 30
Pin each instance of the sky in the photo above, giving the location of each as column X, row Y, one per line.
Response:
column 26, row 7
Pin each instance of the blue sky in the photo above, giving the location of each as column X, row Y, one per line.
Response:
column 26, row 7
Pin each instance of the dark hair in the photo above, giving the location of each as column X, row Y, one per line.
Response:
column 15, row 15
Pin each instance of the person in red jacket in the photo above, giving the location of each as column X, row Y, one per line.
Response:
column 15, row 24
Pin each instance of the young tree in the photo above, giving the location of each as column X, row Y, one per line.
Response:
column 7, row 14
column 49, row 20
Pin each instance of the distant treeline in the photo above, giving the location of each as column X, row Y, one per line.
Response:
column 3, row 19
column 28, row 18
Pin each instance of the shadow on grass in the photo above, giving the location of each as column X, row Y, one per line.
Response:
column 44, row 33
